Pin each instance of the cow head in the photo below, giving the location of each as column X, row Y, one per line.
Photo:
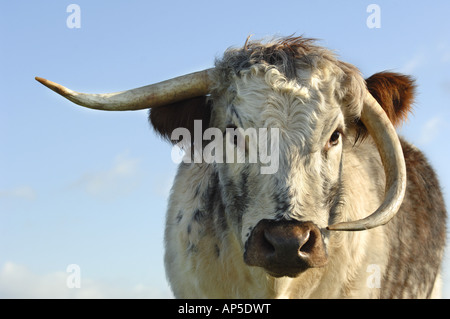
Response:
column 317, row 106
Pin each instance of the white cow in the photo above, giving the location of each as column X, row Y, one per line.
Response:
column 298, row 230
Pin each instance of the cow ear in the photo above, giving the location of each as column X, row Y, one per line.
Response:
column 394, row 92
column 165, row 119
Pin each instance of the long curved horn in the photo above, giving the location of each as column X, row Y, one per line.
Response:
column 158, row 94
column 388, row 144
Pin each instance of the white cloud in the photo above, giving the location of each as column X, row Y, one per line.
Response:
column 20, row 192
column 430, row 130
column 118, row 180
column 440, row 54
column 443, row 48
column 17, row 281
column 412, row 64
column 162, row 184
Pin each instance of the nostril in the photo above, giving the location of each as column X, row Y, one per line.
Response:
column 266, row 244
column 308, row 244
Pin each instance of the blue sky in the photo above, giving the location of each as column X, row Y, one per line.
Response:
column 86, row 187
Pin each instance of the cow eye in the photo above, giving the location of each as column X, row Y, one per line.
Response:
column 334, row 139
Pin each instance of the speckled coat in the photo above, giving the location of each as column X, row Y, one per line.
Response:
column 304, row 91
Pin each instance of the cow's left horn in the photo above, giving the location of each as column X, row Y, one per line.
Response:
column 158, row 94
column 388, row 144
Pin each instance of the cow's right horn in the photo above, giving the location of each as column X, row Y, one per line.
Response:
column 388, row 144
column 158, row 94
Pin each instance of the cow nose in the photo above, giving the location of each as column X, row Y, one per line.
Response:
column 285, row 248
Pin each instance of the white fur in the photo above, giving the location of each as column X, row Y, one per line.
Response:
column 306, row 111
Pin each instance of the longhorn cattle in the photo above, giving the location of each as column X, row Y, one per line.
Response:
column 351, row 209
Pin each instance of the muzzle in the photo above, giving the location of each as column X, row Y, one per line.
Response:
column 285, row 248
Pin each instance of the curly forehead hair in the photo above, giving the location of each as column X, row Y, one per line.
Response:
column 296, row 58
column 287, row 54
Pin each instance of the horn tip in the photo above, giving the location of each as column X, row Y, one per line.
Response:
column 45, row 82
column 54, row 86
column 39, row 79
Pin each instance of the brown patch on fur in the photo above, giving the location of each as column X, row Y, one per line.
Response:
column 394, row 92
column 165, row 119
